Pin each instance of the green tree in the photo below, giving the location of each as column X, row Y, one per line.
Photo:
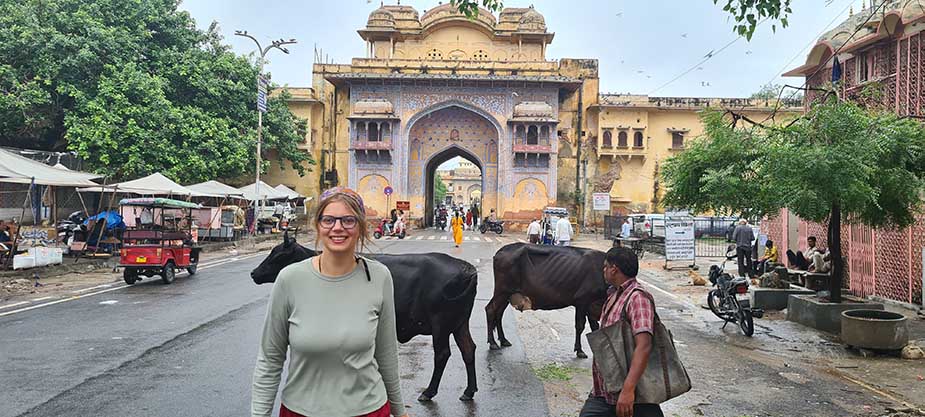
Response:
column 774, row 91
column 133, row 87
column 439, row 190
column 839, row 163
column 747, row 13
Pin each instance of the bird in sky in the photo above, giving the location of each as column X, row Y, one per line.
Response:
column 619, row 14
column 699, row 68
column 704, row 84
column 683, row 35
column 748, row 52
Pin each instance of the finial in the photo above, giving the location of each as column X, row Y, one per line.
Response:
column 851, row 11
column 863, row 5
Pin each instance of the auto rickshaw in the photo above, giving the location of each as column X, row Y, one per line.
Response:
column 160, row 242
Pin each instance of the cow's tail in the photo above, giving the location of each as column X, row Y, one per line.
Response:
column 471, row 275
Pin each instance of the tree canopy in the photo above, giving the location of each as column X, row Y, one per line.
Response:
column 134, row 87
column 746, row 13
column 838, row 163
column 439, row 190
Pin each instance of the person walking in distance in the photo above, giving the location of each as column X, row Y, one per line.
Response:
column 564, row 231
column 743, row 237
column 457, row 226
column 620, row 269
column 533, row 231
column 352, row 371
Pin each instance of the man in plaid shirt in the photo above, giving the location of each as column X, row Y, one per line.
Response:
column 620, row 269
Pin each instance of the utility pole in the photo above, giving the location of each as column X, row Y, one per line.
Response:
column 262, row 104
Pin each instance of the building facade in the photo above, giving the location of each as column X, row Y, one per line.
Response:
column 438, row 85
column 881, row 51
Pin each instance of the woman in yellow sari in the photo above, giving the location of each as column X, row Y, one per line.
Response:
column 457, row 226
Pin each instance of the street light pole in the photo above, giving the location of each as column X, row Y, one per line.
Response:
column 278, row 44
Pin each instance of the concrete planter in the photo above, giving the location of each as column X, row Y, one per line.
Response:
column 810, row 311
column 775, row 298
column 874, row 329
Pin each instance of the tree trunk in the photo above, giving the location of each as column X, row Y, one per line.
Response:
column 838, row 268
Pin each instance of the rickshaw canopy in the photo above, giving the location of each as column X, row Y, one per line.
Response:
column 158, row 202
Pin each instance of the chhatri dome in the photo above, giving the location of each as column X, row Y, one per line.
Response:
column 532, row 21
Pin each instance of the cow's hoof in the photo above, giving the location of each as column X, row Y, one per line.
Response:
column 493, row 346
column 505, row 343
column 467, row 397
column 581, row 355
column 424, row 398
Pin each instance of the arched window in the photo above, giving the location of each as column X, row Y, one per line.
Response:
column 373, row 132
column 532, row 136
column 608, row 139
column 361, row 130
column 434, row 54
column 386, row 132
column 637, row 140
column 621, row 139
column 520, row 134
column 544, row 135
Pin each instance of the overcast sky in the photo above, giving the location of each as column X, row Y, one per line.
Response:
column 641, row 45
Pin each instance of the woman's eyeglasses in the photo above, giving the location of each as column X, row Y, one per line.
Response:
column 347, row 222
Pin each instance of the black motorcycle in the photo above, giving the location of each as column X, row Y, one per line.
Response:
column 491, row 226
column 441, row 221
column 73, row 225
column 724, row 300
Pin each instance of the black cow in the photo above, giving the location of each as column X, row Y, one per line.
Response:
column 547, row 278
column 434, row 295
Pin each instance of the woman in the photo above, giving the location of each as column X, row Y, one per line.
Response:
column 335, row 314
column 457, row 226
column 469, row 219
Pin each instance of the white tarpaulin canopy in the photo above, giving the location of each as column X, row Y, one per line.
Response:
column 215, row 188
column 266, row 192
column 21, row 170
column 154, row 184
column 289, row 192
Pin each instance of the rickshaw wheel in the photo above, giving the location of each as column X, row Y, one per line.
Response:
column 192, row 268
column 168, row 274
column 130, row 276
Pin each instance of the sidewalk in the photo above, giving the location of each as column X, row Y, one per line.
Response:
column 72, row 277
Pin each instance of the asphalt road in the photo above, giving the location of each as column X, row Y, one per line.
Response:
column 189, row 349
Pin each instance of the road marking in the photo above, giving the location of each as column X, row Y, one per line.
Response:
column 14, row 304
column 77, row 297
column 431, row 237
column 109, row 302
column 41, row 299
column 467, row 238
column 656, row 288
column 91, row 288
column 477, row 239
column 419, row 238
column 443, row 238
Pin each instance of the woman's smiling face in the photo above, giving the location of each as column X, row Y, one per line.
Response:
column 338, row 227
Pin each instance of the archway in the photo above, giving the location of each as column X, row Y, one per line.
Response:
column 445, row 131
column 457, row 189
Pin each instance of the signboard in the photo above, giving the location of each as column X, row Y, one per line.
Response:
column 387, row 190
column 601, row 201
column 262, row 94
column 403, row 205
column 679, row 238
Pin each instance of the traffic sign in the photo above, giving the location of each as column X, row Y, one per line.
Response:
column 387, row 190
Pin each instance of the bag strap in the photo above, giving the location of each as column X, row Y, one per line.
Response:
column 655, row 318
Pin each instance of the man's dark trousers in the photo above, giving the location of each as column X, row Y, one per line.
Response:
column 745, row 261
column 598, row 407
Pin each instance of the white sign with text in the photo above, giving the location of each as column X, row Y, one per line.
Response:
column 601, row 201
column 679, row 239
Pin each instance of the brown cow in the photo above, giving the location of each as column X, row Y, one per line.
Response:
column 547, row 278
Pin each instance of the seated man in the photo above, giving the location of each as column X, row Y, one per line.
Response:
column 821, row 262
column 800, row 260
column 5, row 234
column 770, row 257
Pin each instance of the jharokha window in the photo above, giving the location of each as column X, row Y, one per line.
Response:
column 637, row 140
column 621, row 139
column 608, row 139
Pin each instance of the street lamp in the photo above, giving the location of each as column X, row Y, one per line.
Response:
column 278, row 44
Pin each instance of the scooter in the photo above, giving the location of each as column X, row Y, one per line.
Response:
column 441, row 221
column 381, row 231
column 725, row 301
column 68, row 228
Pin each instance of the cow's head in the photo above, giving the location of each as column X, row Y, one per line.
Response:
column 283, row 255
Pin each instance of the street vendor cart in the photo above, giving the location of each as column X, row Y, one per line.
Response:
column 160, row 242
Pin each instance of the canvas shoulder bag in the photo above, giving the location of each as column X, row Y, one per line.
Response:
column 664, row 377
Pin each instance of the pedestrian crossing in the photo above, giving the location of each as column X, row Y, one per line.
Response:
column 444, row 237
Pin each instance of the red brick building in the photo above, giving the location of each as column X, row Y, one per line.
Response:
column 882, row 52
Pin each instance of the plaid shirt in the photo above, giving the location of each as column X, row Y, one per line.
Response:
column 641, row 319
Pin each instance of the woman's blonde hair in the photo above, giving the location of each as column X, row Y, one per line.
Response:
column 354, row 202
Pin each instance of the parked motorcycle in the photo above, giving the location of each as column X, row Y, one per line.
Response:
column 382, row 229
column 725, row 301
column 73, row 225
column 490, row 226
